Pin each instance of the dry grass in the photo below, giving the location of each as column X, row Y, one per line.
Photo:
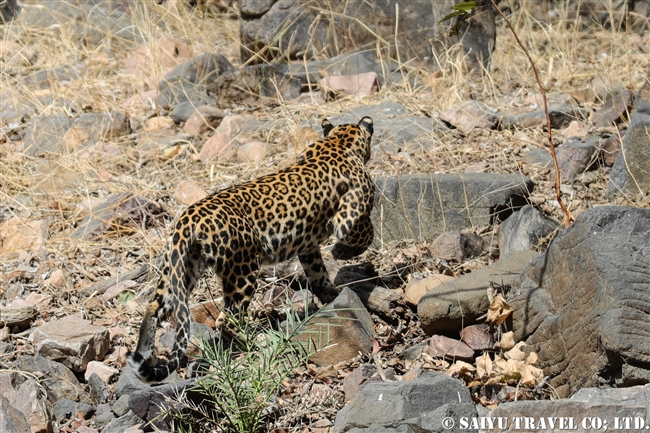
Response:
column 568, row 57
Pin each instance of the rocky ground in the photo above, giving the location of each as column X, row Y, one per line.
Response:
column 114, row 120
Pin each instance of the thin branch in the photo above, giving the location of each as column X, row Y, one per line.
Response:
column 568, row 217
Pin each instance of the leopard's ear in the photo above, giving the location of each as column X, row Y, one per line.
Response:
column 367, row 124
column 327, row 127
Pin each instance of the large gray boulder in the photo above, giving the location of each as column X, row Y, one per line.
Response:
column 422, row 206
column 584, row 304
column 422, row 403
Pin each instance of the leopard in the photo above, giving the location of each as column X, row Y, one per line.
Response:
column 327, row 192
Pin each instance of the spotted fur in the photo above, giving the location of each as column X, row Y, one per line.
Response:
column 264, row 221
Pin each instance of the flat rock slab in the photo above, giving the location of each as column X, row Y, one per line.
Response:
column 340, row 331
column 387, row 404
column 422, row 206
column 72, row 343
column 621, row 410
column 446, row 308
column 584, row 306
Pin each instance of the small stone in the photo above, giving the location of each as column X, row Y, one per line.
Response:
column 158, row 123
column 206, row 313
column 65, row 408
column 105, row 373
column 188, row 192
column 576, row 129
column 218, row 147
column 98, row 389
column 233, row 126
column 477, row 337
column 575, row 156
column 20, row 234
column 609, row 148
column 58, row 279
column 615, row 109
column 469, row 115
column 128, row 383
column 479, row 167
column 359, row 84
column 121, row 406
column 165, row 52
column 252, row 151
column 416, row 288
column 204, row 119
column 448, row 348
column 455, row 246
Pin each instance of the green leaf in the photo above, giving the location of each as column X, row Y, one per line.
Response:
column 465, row 7
column 452, row 15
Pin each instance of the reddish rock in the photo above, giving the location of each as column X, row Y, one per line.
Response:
column 19, row 235
column 218, row 147
column 105, row 372
column 455, row 246
column 204, row 119
column 478, row 337
column 252, row 151
column 448, row 348
column 609, row 148
column 359, row 84
column 187, row 192
column 468, row 115
column 162, row 53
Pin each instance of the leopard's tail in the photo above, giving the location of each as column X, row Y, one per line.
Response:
column 170, row 299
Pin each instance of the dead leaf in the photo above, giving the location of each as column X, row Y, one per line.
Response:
column 484, row 366
column 507, row 341
column 516, row 353
column 499, row 310
column 460, row 368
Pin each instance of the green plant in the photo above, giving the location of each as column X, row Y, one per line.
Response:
column 241, row 379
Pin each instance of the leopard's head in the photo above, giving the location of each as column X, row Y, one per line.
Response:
column 356, row 137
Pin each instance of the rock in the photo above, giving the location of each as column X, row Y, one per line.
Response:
column 455, row 246
column 123, row 423
column 12, row 420
column 56, row 134
column 631, row 171
column 65, row 408
column 253, row 83
column 622, row 409
column 218, row 147
column 47, row 78
column 252, row 151
column 239, row 124
column 578, row 304
column 576, row 129
column 20, row 234
column 416, row 288
column 128, row 383
column 29, row 400
column 165, row 52
column 56, row 378
column 158, row 124
column 148, row 402
column 8, row 10
column 448, row 307
column 360, row 84
column 478, row 337
column 561, row 116
column 105, row 372
column 119, row 210
column 448, row 348
column 98, row 390
column 615, row 110
column 539, row 157
column 206, row 313
column 189, row 81
column 421, row 206
column 187, row 192
column 353, row 382
column 524, row 230
column 104, row 419
column 339, row 332
column 73, row 344
column 121, row 406
column 389, row 404
column 604, row 87
column 204, row 119
column 609, row 148
column 19, row 316
column 286, row 30
column 576, row 156
column 469, row 115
